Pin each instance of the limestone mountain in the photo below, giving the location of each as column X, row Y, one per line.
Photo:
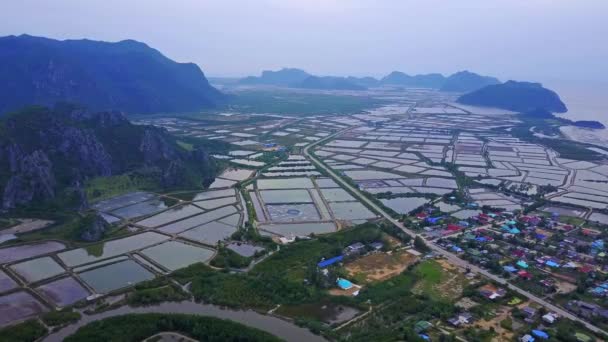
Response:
column 45, row 151
column 128, row 76
column 516, row 96
column 466, row 81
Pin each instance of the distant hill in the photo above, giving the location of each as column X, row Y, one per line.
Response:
column 49, row 153
column 434, row 81
column 368, row 82
column 466, row 81
column 284, row 77
column 128, row 76
column 328, row 83
column 516, row 96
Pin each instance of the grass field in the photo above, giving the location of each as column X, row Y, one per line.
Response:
column 298, row 103
column 439, row 280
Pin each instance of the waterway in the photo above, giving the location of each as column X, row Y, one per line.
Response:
column 273, row 325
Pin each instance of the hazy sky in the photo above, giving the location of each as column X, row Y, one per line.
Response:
column 522, row 39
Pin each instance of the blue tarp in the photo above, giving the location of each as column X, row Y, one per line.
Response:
column 541, row 334
column 331, row 261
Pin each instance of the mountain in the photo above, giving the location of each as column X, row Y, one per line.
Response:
column 516, row 96
column 328, row 83
column 46, row 153
column 418, row 81
column 283, row 77
column 465, row 81
column 128, row 76
column 368, row 82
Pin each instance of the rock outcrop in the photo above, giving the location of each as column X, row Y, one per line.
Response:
column 45, row 151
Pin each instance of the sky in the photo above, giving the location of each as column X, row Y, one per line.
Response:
column 536, row 40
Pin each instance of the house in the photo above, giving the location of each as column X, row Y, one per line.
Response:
column 355, row 248
column 491, row 292
column 422, row 326
column 552, row 264
column 376, row 245
column 524, row 275
column 540, row 334
column 550, row 318
column 529, row 311
column 330, row 261
column 460, row 319
column 527, row 338
column 509, row 269
column 522, row 264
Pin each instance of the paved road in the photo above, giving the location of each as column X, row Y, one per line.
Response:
column 452, row 258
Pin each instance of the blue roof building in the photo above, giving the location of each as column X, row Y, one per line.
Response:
column 522, row 264
column 509, row 268
column 330, row 261
column 540, row 334
column 551, row 263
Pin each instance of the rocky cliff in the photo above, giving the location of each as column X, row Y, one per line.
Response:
column 43, row 151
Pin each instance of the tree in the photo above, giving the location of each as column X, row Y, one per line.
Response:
column 420, row 245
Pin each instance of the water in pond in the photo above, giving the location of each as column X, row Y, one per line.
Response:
column 285, row 196
column 213, row 194
column 300, row 229
column 16, row 253
column 6, row 282
column 123, row 200
column 244, row 249
column 174, row 255
column 216, row 203
column 110, row 249
column 288, row 183
column 17, row 306
column 336, row 195
column 171, row 215
column 210, row 233
column 293, row 212
column 116, row 276
column 180, row 226
column 404, row 205
column 326, row 312
column 140, row 209
column 64, row 291
column 350, row 211
column 38, row 269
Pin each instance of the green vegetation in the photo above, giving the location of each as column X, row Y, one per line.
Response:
column 137, row 327
column 280, row 279
column 226, row 258
column 27, row 331
column 299, row 103
column 58, row 318
column 156, row 291
column 100, row 188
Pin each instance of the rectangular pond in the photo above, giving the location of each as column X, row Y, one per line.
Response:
column 300, row 229
column 170, row 216
column 180, row 226
column 115, row 276
column 38, row 269
column 285, row 196
column 16, row 253
column 288, row 183
column 350, row 211
column 404, row 205
column 6, row 282
column 110, row 249
column 336, row 195
column 64, row 291
column 292, row 212
column 210, row 233
column 174, row 255
column 18, row 306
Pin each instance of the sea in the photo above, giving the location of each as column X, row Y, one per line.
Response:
column 585, row 101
